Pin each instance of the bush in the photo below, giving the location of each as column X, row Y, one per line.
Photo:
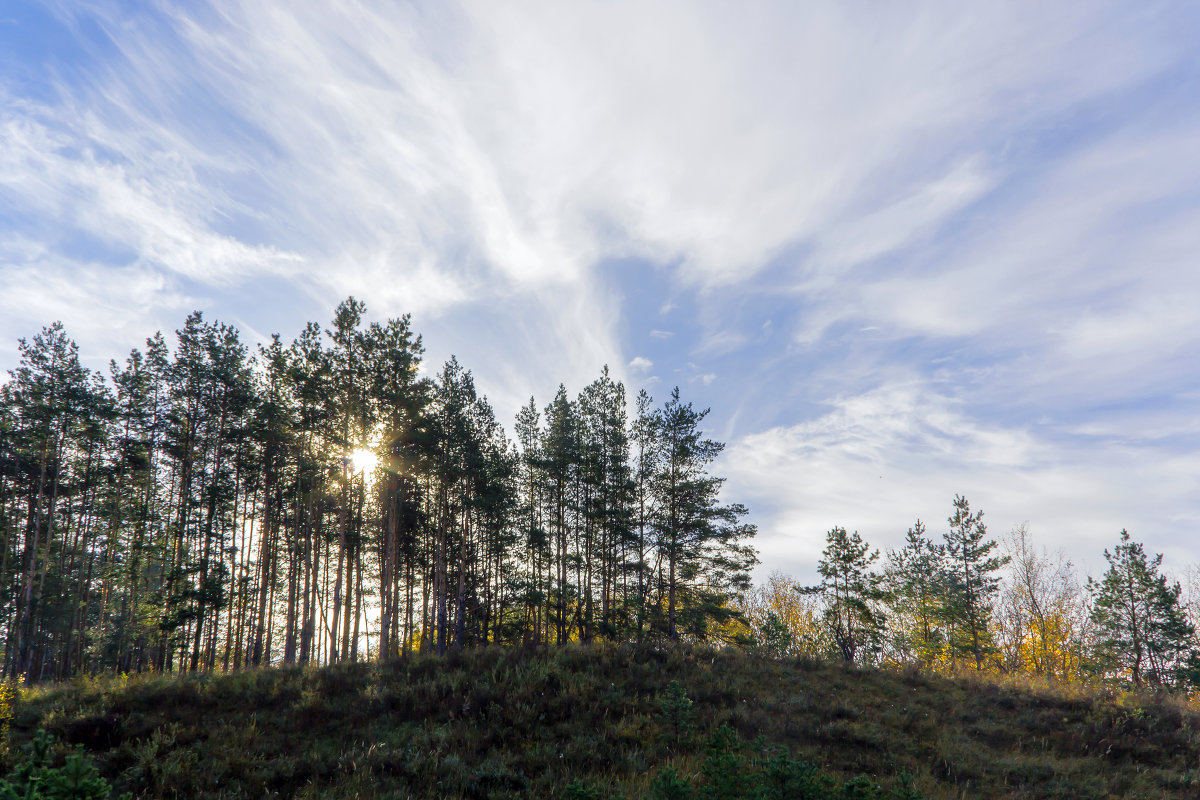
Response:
column 579, row 790
column 35, row 779
column 669, row 786
column 678, row 717
column 726, row 773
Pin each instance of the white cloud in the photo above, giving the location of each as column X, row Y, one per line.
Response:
column 156, row 212
column 1092, row 278
column 442, row 156
column 640, row 364
column 107, row 311
column 919, row 171
column 877, row 461
column 720, row 341
column 858, row 239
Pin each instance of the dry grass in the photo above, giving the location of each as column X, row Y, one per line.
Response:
column 510, row 723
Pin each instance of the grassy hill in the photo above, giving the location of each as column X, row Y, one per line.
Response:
column 604, row 722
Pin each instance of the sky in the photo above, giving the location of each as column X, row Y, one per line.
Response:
column 903, row 251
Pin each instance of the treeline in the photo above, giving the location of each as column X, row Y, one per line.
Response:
column 971, row 602
column 205, row 507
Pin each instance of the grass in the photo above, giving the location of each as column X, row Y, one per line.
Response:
column 605, row 722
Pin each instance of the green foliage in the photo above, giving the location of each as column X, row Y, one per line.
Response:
column 787, row 778
column 733, row 770
column 861, row 788
column 905, row 789
column 593, row 720
column 915, row 584
column 580, row 790
column 725, row 770
column 776, row 638
column 669, row 786
column 36, row 779
column 77, row 779
column 1143, row 631
column 8, row 698
column 701, row 542
column 679, row 719
column 851, row 593
column 972, row 583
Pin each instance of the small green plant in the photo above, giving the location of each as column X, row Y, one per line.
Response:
column 905, row 789
column 861, row 788
column 669, row 786
column 580, row 790
column 678, row 716
column 726, row 773
column 785, row 778
column 35, row 779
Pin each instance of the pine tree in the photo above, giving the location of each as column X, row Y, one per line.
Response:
column 402, row 401
column 347, row 358
column 607, row 482
column 536, row 587
column 973, row 583
column 310, row 376
column 274, row 428
column 851, row 593
column 52, row 401
column 644, row 455
column 699, row 540
column 915, row 582
column 560, row 462
column 201, row 508
column 1142, row 631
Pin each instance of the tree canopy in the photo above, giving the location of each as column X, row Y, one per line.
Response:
column 205, row 506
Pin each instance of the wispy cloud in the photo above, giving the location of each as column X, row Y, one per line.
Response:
column 877, row 461
column 962, row 229
column 157, row 211
column 474, row 149
column 859, row 239
column 108, row 311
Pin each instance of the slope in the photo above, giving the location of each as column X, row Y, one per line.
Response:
column 604, row 721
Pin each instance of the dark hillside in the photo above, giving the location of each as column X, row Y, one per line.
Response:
column 604, row 722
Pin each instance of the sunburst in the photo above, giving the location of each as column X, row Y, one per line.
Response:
column 363, row 460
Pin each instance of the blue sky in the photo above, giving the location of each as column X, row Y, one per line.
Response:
column 902, row 250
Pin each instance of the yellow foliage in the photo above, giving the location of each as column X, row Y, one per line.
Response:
column 1042, row 621
column 799, row 614
column 8, row 702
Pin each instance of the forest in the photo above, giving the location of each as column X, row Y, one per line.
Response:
column 204, row 507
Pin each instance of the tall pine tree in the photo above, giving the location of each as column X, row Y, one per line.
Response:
column 1142, row 630
column 973, row 583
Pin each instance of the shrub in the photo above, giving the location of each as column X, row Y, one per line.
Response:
column 35, row 779
column 726, row 773
column 580, row 790
column 669, row 786
column 677, row 716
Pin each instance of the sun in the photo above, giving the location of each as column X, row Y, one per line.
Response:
column 363, row 460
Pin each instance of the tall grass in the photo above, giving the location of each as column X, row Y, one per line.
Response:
column 617, row 721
